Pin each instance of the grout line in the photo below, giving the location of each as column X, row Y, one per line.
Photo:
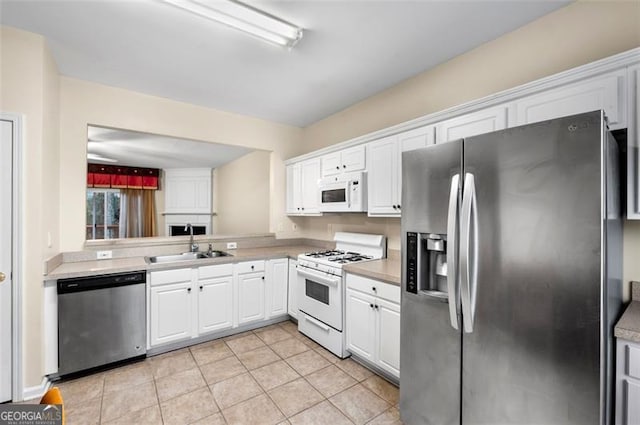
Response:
column 155, row 387
column 102, row 399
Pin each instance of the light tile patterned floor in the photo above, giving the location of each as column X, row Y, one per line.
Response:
column 269, row 376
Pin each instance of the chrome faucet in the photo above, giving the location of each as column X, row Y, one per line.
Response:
column 193, row 247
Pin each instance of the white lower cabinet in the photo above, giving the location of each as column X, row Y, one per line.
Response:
column 250, row 283
column 292, row 293
column 171, row 312
column 388, row 336
column 373, row 322
column 627, row 383
column 250, row 297
column 215, row 301
column 277, row 279
column 186, row 303
column 361, row 324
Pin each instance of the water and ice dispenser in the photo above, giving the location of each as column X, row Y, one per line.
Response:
column 427, row 263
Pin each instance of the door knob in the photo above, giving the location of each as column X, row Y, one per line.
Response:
column 2, row 277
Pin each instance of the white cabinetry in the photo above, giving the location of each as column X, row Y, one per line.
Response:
column 344, row 161
column 171, row 306
column 302, row 187
column 187, row 190
column 293, row 289
column 361, row 324
column 185, row 303
column 627, row 382
column 385, row 169
column 606, row 92
column 215, row 298
column 383, row 185
column 373, row 322
column 250, row 284
column 277, row 277
column 479, row 122
column 633, row 145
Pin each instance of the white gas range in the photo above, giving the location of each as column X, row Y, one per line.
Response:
column 321, row 291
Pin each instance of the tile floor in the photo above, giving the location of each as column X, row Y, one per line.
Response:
column 272, row 375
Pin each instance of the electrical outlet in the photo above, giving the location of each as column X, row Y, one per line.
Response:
column 294, row 227
column 104, row 255
column 232, row 245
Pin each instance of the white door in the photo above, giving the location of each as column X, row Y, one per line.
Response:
column 296, row 188
column 310, row 192
column 277, row 280
column 361, row 324
column 484, row 121
column 353, row 159
column 250, row 297
column 6, row 143
column 384, row 174
column 293, row 288
column 417, row 138
column 388, row 337
column 215, row 301
column 171, row 312
column 331, row 164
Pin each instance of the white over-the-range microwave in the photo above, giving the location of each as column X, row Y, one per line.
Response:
column 343, row 193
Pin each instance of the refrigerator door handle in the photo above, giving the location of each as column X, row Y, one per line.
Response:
column 453, row 289
column 468, row 252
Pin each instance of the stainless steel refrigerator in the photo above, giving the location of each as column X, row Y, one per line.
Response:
column 511, row 281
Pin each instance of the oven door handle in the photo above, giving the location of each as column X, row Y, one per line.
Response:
column 320, row 278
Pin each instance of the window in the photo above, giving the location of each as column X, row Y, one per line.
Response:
column 103, row 213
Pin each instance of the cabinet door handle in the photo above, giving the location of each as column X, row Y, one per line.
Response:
column 344, row 166
column 337, row 167
column 371, row 305
column 252, row 267
column 201, row 287
column 399, row 206
column 189, row 290
column 376, row 307
column 373, row 288
column 262, row 277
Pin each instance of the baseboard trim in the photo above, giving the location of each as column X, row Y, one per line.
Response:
column 37, row 391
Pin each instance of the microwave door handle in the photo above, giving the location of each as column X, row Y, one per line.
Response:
column 320, row 278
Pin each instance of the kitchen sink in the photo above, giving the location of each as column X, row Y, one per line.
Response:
column 185, row 256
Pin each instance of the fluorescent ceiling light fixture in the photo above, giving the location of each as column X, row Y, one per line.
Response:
column 245, row 18
column 96, row 157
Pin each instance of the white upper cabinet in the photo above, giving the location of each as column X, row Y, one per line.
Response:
column 344, row 161
column 417, row 138
column 310, row 191
column 605, row 92
column 479, row 122
column 303, row 196
column 383, row 186
column 385, row 169
column 633, row 145
column 187, row 190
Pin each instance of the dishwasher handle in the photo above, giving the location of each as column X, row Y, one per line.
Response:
column 91, row 283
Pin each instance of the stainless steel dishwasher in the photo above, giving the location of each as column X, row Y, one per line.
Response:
column 101, row 320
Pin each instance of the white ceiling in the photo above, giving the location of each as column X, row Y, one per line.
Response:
column 137, row 149
column 351, row 49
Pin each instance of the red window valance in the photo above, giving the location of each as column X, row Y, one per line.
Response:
column 121, row 177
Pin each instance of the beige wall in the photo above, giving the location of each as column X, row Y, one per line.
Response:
column 83, row 103
column 243, row 194
column 572, row 36
column 29, row 86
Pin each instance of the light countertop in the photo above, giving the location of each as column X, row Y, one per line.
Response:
column 387, row 270
column 121, row 265
column 628, row 327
